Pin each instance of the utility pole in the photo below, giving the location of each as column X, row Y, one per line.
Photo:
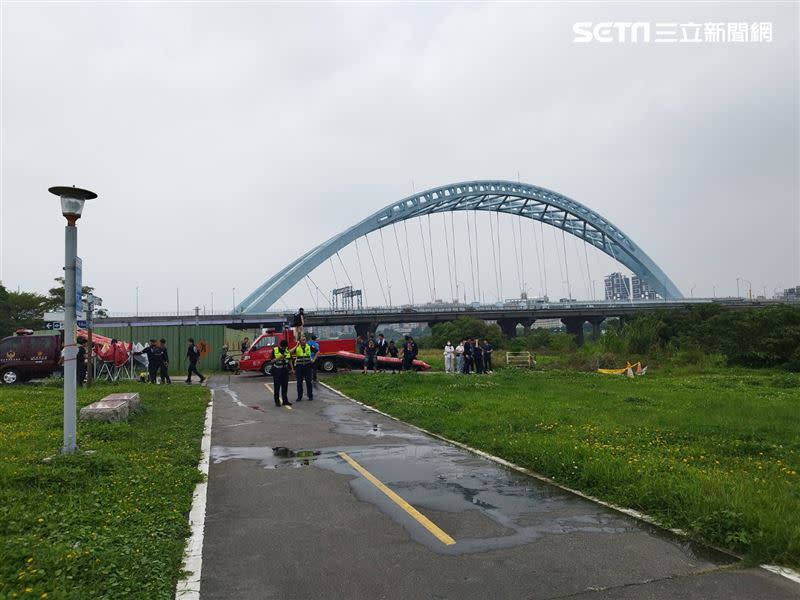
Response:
column 177, row 301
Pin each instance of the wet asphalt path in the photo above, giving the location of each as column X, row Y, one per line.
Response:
column 315, row 527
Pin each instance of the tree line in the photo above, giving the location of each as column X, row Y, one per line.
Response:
column 24, row 310
column 704, row 334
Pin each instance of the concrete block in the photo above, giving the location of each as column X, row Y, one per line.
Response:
column 109, row 411
column 131, row 397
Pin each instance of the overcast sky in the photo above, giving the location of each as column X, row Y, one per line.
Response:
column 226, row 139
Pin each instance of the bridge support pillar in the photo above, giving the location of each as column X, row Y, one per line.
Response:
column 508, row 327
column 574, row 327
column 364, row 329
column 596, row 322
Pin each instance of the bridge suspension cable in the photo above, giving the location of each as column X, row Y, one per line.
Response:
column 375, row 266
column 494, row 258
column 425, row 258
column 588, row 271
column 538, row 256
column 477, row 257
column 471, row 263
column 433, row 264
column 499, row 255
column 402, row 265
column 566, row 264
column 447, row 254
column 522, row 256
column 324, row 295
column 408, row 259
column 520, row 281
column 335, row 279
column 346, row 274
column 455, row 263
column 311, row 293
column 361, row 273
column 385, row 268
column 544, row 256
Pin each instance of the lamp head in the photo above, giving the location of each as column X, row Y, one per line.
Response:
column 72, row 200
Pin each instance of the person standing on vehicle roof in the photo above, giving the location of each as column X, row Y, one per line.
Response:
column 164, row 371
column 298, row 323
column 281, row 365
column 193, row 354
column 302, row 368
column 314, row 352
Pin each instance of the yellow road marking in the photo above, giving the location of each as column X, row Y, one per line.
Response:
column 269, row 387
column 418, row 516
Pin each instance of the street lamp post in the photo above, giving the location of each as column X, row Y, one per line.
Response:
column 72, row 201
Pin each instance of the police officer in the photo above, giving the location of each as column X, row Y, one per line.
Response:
column 314, row 352
column 302, row 368
column 164, row 370
column 281, row 364
column 154, row 358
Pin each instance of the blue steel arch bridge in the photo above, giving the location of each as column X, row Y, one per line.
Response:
column 503, row 197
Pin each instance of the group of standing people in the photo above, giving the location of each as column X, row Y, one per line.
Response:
column 300, row 360
column 373, row 349
column 468, row 356
column 158, row 360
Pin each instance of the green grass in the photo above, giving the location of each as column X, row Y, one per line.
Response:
column 716, row 453
column 110, row 524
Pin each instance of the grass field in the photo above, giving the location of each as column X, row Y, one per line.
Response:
column 716, row 453
column 109, row 524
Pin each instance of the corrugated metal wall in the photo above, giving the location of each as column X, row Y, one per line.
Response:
column 213, row 337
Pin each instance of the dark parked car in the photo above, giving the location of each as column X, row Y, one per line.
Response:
column 25, row 356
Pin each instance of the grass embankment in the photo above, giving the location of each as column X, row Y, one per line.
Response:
column 716, row 453
column 111, row 524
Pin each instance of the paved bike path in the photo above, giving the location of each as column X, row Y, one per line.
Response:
column 319, row 525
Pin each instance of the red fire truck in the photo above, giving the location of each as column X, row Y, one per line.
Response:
column 259, row 356
column 332, row 354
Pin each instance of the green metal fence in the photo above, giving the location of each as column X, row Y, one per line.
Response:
column 209, row 338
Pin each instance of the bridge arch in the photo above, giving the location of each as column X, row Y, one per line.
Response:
column 520, row 199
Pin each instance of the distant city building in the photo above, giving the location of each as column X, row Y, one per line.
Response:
column 791, row 294
column 617, row 287
column 640, row 289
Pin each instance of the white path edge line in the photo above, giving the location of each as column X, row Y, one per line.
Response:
column 188, row 588
column 786, row 572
